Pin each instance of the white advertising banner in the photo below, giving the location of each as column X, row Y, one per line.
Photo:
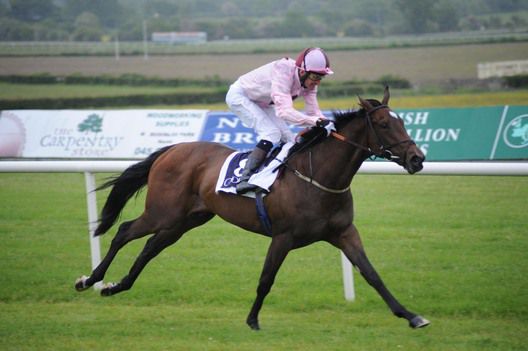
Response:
column 95, row 133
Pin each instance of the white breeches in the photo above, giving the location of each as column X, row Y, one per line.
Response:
column 263, row 120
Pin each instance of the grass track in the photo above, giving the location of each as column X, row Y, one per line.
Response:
column 451, row 248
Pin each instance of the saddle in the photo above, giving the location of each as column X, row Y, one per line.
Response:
column 231, row 172
column 232, row 167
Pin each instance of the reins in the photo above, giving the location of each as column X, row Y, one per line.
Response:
column 342, row 138
column 315, row 182
column 383, row 152
column 310, row 179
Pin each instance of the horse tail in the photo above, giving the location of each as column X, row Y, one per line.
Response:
column 124, row 186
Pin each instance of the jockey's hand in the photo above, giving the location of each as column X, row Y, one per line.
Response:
column 326, row 124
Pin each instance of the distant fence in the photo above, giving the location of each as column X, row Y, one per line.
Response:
column 179, row 37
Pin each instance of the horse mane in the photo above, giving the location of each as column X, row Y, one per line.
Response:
column 315, row 135
column 342, row 118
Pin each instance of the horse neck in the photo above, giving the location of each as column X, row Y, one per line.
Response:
column 335, row 162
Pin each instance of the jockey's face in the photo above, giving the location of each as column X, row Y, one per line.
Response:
column 312, row 79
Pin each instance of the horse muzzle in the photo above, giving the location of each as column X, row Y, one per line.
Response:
column 414, row 160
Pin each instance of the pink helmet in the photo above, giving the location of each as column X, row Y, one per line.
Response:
column 314, row 60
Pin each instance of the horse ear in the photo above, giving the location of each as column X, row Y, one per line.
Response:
column 365, row 104
column 386, row 96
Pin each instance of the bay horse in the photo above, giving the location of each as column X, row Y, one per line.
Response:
column 311, row 200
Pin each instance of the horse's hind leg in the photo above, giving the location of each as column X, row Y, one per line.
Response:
column 153, row 247
column 350, row 243
column 127, row 232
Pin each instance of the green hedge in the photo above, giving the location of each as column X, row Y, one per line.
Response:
column 328, row 90
column 124, row 79
column 518, row 81
column 109, row 101
column 394, row 82
column 140, row 80
column 351, row 88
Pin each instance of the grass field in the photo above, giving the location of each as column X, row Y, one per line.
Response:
column 451, row 248
column 432, row 71
column 272, row 45
column 10, row 91
column 420, row 65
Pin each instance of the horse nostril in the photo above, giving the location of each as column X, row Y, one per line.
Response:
column 416, row 161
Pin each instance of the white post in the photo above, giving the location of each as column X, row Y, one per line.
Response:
column 348, row 278
column 91, row 200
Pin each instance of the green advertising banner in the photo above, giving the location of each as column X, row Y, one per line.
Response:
column 454, row 134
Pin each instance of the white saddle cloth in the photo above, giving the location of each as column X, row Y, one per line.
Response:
column 233, row 166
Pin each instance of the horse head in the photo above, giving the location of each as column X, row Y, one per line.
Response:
column 387, row 136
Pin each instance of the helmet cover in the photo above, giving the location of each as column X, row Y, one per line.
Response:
column 314, row 60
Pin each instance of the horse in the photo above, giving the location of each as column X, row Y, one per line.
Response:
column 310, row 201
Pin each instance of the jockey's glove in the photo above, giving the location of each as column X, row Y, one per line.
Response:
column 327, row 124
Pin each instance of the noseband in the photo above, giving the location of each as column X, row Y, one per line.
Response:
column 384, row 151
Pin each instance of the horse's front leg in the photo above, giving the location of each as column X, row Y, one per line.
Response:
column 350, row 243
column 277, row 252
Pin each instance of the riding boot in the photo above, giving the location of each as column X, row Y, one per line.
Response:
column 255, row 159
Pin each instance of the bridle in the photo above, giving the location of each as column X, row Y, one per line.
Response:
column 384, row 151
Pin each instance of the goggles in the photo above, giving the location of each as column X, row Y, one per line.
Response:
column 315, row 76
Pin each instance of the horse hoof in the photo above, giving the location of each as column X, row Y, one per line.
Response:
column 418, row 322
column 253, row 324
column 80, row 283
column 106, row 289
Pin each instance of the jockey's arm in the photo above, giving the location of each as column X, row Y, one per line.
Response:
column 285, row 110
column 282, row 80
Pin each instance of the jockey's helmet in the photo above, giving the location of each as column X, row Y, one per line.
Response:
column 314, row 60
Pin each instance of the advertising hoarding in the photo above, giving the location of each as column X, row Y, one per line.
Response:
column 443, row 134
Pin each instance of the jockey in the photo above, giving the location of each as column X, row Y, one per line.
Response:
column 263, row 100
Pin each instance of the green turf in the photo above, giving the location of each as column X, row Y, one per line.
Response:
column 450, row 248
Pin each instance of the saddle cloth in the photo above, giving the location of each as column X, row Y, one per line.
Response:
column 233, row 166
